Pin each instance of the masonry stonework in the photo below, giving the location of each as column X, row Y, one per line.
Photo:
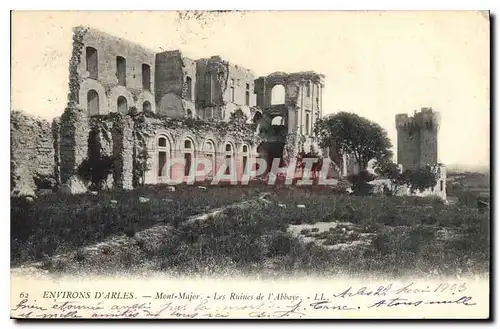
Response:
column 32, row 153
column 123, row 144
column 145, row 110
column 108, row 74
column 73, row 147
column 417, row 138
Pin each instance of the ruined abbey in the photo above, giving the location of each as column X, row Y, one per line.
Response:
column 139, row 110
column 137, row 117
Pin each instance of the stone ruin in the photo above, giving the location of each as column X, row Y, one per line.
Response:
column 131, row 110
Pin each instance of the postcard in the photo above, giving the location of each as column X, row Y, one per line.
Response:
column 250, row 165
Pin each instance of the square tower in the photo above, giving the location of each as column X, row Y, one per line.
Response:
column 418, row 138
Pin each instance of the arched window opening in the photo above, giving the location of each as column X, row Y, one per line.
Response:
column 92, row 102
column 188, row 156
column 91, row 60
column 189, row 84
column 146, row 106
column 189, row 113
column 278, row 95
column 122, row 105
column 247, row 98
column 308, row 89
column 163, row 152
column 121, row 70
column 278, row 121
column 232, row 94
column 146, row 77
column 229, row 159
column 245, row 159
column 209, row 152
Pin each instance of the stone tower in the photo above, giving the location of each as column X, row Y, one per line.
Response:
column 418, row 138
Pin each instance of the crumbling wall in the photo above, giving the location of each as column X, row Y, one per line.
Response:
column 104, row 80
column 171, row 93
column 101, row 143
column 123, row 151
column 74, row 134
column 213, row 76
column 32, row 153
column 56, row 126
column 293, row 145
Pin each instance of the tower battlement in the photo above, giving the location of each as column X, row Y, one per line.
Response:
column 425, row 119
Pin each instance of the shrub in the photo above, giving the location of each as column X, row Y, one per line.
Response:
column 305, row 231
column 95, row 171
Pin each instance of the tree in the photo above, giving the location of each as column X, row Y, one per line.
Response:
column 418, row 179
column 360, row 182
column 352, row 134
column 422, row 178
column 393, row 172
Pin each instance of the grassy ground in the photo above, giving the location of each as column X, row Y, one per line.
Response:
column 406, row 233
column 58, row 223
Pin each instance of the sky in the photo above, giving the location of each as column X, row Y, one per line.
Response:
column 377, row 64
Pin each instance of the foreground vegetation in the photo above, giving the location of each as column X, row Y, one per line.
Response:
column 57, row 223
column 406, row 231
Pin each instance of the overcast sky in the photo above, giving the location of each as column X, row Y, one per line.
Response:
column 376, row 64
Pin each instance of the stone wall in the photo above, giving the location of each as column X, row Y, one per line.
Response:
column 102, row 78
column 223, row 86
column 172, row 74
column 32, row 152
column 123, row 151
column 73, row 147
column 101, row 143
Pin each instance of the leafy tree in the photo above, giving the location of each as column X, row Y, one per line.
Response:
column 391, row 171
column 419, row 179
column 422, row 178
column 360, row 181
column 351, row 134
